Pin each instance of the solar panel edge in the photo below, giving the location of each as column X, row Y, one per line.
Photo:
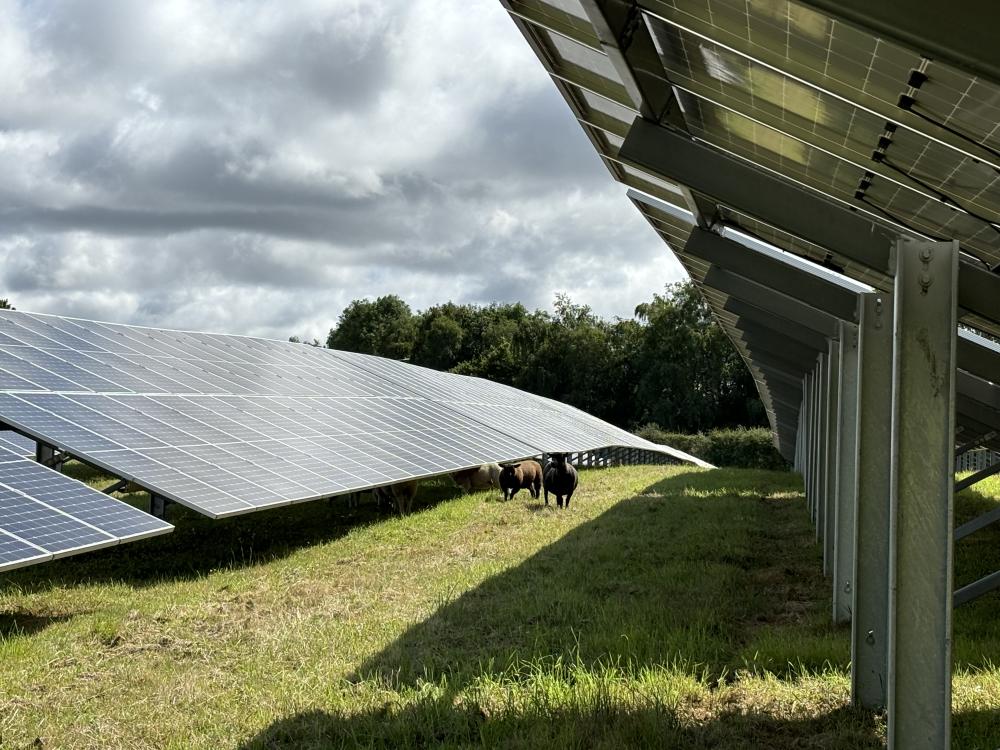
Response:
column 43, row 554
column 26, row 562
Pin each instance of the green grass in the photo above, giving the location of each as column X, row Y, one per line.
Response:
column 669, row 607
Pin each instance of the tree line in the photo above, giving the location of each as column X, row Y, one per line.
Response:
column 671, row 364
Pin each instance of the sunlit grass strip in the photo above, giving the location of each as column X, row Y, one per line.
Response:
column 669, row 608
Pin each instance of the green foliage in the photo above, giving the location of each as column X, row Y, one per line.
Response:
column 690, row 376
column 742, row 448
column 672, row 364
column 384, row 327
column 5, row 304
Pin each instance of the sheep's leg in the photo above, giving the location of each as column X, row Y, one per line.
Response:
column 568, row 498
column 546, row 496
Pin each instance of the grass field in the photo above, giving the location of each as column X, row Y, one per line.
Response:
column 669, row 607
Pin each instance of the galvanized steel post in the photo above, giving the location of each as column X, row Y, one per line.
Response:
column 922, row 493
column 846, row 468
column 819, row 511
column 832, row 445
column 869, row 623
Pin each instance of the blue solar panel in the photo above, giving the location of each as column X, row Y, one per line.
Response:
column 15, row 553
column 65, row 494
column 229, row 424
column 44, row 514
column 43, row 526
column 18, row 443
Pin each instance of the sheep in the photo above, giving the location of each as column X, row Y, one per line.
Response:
column 478, row 478
column 398, row 495
column 560, row 479
column 514, row 477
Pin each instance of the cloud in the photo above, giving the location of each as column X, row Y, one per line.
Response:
column 252, row 167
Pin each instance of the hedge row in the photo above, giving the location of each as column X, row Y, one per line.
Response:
column 743, row 448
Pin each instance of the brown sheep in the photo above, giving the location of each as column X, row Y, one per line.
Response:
column 478, row 477
column 514, row 477
column 399, row 495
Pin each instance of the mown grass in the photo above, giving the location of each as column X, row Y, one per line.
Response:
column 669, row 607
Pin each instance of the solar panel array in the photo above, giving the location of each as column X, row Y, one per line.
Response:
column 791, row 91
column 229, row 424
column 831, row 130
column 45, row 514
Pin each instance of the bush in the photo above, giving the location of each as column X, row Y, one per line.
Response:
column 742, row 448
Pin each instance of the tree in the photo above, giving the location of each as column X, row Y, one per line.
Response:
column 439, row 337
column 5, row 305
column 385, row 327
column 574, row 360
column 671, row 364
column 690, row 375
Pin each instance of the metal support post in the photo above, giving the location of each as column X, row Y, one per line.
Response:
column 832, row 446
column 819, row 511
column 158, row 505
column 45, row 454
column 846, row 467
column 807, row 428
column 813, row 435
column 869, row 623
column 922, row 464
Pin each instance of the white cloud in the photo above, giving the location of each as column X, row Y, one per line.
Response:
column 252, row 167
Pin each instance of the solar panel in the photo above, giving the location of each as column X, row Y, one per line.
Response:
column 229, row 424
column 45, row 514
column 19, row 444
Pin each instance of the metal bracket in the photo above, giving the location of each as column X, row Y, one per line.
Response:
column 977, row 477
column 116, row 487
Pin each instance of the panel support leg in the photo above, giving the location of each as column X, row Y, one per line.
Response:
column 832, row 445
column 158, row 505
column 811, row 447
column 846, row 467
column 819, row 510
column 869, row 624
column 803, row 437
column 922, row 461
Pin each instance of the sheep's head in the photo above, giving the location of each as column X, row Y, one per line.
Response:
column 509, row 471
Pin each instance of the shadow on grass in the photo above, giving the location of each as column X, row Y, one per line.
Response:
column 18, row 622
column 200, row 545
column 444, row 724
column 689, row 572
column 696, row 577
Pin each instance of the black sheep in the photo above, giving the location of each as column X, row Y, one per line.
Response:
column 560, row 479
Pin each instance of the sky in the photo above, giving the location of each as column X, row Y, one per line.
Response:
column 252, row 167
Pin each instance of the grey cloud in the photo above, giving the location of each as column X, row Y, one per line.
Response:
column 258, row 181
